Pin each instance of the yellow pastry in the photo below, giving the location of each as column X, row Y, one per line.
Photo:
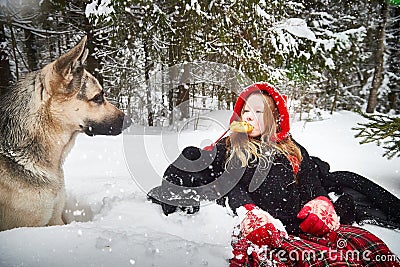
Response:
column 241, row 127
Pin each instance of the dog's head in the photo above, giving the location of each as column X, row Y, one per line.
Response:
column 77, row 101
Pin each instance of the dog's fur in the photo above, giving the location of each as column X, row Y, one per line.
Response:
column 39, row 119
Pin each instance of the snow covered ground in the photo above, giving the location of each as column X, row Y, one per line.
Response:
column 112, row 223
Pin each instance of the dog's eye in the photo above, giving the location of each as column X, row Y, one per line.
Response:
column 99, row 98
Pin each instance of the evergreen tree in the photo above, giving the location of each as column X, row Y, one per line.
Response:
column 382, row 129
column 320, row 53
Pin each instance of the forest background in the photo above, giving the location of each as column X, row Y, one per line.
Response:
column 325, row 54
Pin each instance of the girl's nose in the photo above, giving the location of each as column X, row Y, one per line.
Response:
column 249, row 116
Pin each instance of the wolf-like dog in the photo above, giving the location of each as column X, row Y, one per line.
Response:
column 40, row 118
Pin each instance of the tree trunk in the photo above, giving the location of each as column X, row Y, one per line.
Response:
column 5, row 71
column 203, row 94
column 14, row 51
column 170, row 96
column 335, row 99
column 183, row 92
column 93, row 65
column 31, row 51
column 394, row 60
column 171, row 78
column 150, row 112
column 378, row 73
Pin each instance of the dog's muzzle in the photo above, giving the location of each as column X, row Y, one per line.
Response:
column 111, row 126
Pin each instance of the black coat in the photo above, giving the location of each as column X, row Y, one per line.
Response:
column 200, row 175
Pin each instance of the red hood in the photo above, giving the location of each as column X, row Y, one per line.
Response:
column 280, row 102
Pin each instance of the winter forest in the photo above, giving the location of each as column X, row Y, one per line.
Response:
column 324, row 54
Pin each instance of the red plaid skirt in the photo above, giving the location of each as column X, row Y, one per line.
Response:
column 348, row 246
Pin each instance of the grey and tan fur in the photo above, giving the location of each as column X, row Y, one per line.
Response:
column 39, row 119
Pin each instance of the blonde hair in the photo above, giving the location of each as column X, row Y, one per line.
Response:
column 248, row 150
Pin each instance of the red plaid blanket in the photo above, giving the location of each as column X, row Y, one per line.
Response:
column 348, row 246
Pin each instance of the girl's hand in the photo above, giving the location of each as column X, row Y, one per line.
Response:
column 258, row 227
column 319, row 217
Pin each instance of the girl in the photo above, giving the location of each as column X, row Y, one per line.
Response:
column 261, row 169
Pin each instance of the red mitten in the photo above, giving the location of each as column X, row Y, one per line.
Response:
column 240, row 257
column 319, row 217
column 258, row 227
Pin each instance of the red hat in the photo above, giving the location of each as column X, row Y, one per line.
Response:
column 279, row 100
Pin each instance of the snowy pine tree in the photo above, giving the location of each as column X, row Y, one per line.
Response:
column 383, row 130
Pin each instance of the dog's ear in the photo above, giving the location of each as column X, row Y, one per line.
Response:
column 84, row 56
column 72, row 60
column 79, row 65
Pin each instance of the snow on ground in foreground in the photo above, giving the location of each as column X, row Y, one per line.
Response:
column 112, row 223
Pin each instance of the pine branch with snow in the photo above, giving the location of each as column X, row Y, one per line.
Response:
column 382, row 129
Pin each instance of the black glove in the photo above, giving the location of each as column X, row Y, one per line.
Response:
column 156, row 195
column 181, row 181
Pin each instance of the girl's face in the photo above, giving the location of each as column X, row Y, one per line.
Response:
column 253, row 113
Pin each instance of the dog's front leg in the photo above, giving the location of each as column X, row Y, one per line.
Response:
column 59, row 203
